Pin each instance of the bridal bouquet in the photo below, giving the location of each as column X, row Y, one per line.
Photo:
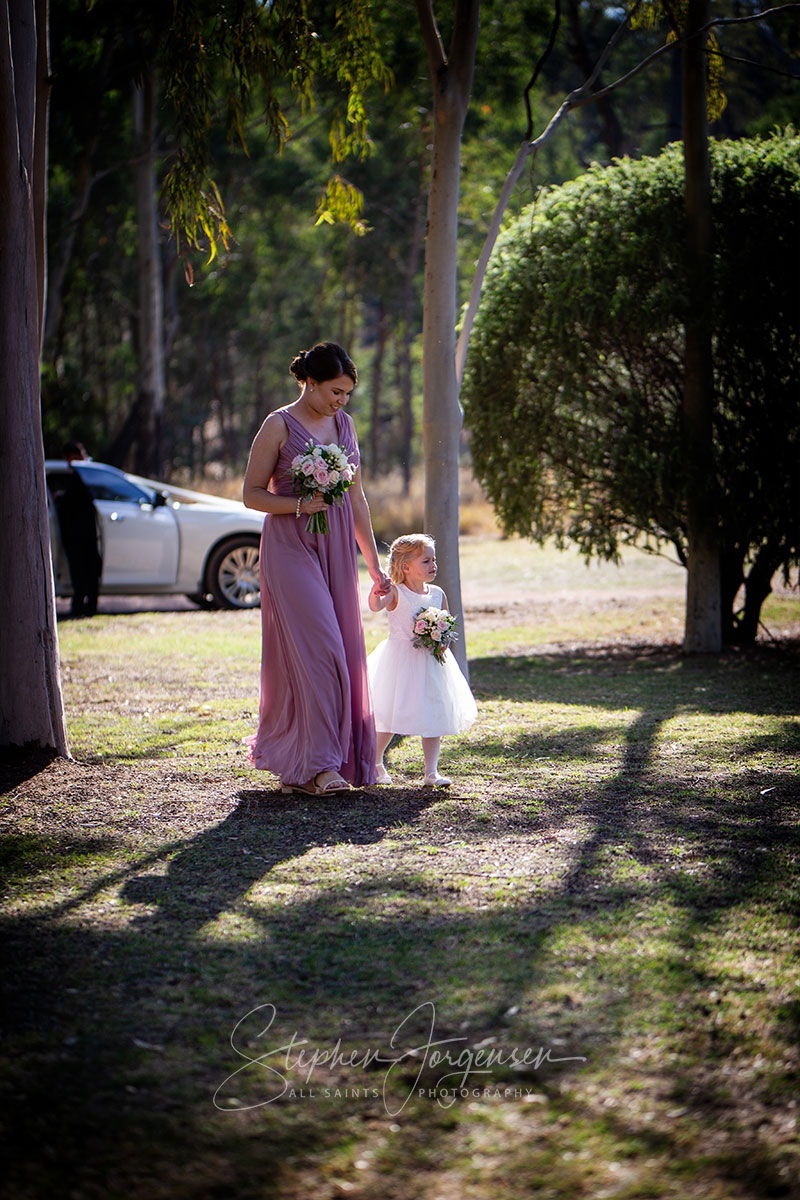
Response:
column 325, row 469
column 434, row 630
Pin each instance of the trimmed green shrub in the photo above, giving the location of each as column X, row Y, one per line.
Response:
column 575, row 371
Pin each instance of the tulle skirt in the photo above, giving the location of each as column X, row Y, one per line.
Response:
column 412, row 693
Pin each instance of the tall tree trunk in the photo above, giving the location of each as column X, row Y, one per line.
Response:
column 40, row 130
column 732, row 559
column 31, row 704
column 703, row 628
column 442, row 414
column 757, row 586
column 150, row 400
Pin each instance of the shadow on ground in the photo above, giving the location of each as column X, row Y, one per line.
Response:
column 159, row 993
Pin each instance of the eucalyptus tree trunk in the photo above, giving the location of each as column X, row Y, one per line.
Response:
column 31, row 705
column 442, row 415
column 703, row 625
column 151, row 390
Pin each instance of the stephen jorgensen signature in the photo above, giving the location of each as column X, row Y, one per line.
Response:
column 295, row 1057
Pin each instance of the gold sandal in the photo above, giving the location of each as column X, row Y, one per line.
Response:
column 305, row 789
column 335, row 784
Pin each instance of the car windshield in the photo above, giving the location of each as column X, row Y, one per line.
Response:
column 108, row 485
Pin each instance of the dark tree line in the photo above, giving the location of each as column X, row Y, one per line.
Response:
column 225, row 342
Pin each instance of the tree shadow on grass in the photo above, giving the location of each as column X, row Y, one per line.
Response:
column 20, row 763
column 137, row 1039
column 215, row 869
column 656, row 679
column 123, row 1027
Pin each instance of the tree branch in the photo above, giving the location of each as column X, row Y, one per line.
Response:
column 537, row 70
column 576, row 99
column 751, row 62
column 431, row 36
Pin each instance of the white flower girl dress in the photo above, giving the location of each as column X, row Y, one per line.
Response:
column 412, row 693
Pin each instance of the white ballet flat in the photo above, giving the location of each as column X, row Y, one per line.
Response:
column 383, row 774
column 436, row 780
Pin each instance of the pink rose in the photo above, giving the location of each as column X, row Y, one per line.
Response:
column 308, row 467
column 321, row 474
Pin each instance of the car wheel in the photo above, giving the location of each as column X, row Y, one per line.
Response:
column 232, row 575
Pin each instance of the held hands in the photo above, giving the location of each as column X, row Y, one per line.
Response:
column 381, row 583
column 381, row 592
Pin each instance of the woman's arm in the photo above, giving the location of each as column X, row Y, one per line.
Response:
column 365, row 535
column 261, row 467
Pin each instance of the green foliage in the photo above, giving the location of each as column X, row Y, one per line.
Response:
column 654, row 13
column 250, row 53
column 282, row 281
column 574, row 378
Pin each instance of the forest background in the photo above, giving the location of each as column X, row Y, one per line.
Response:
column 290, row 277
column 614, row 873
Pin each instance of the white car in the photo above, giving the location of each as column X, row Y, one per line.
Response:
column 160, row 539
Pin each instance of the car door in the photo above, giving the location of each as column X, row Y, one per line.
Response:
column 140, row 542
column 59, row 558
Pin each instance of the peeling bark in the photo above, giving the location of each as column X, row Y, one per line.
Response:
column 442, row 415
column 31, row 704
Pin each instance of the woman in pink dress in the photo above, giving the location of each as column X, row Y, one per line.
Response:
column 316, row 727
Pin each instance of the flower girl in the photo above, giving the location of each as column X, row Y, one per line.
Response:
column 417, row 685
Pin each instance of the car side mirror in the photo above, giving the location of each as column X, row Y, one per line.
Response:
column 160, row 500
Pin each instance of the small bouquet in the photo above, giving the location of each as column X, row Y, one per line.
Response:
column 434, row 630
column 325, row 469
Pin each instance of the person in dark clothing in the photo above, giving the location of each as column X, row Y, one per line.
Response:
column 77, row 519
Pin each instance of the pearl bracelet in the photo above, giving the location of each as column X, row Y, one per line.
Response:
column 297, row 510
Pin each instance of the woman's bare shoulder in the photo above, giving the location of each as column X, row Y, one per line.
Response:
column 274, row 427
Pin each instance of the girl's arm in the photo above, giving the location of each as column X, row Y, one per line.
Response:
column 261, row 467
column 445, row 605
column 380, row 600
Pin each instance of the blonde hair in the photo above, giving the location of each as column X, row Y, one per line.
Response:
column 407, row 546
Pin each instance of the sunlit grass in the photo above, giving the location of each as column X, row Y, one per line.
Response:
column 613, row 878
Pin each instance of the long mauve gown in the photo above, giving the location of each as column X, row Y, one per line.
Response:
column 315, row 711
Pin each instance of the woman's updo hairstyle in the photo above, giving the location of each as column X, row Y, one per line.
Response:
column 324, row 361
column 406, row 547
